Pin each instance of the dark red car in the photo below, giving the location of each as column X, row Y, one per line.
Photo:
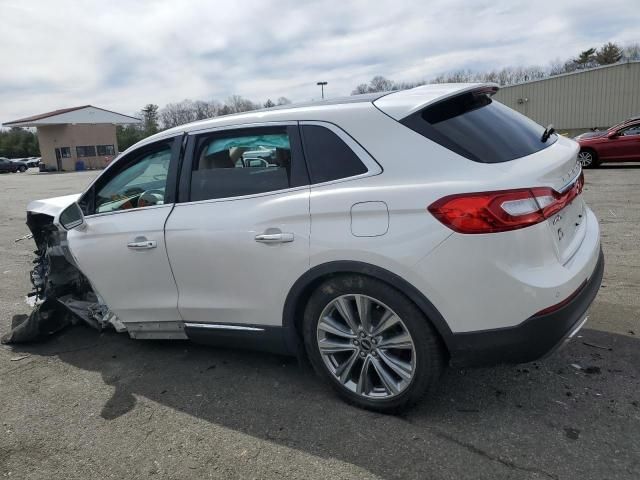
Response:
column 620, row 143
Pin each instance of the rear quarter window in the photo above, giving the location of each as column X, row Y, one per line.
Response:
column 328, row 156
column 479, row 128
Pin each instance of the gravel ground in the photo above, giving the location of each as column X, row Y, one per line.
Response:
column 88, row 405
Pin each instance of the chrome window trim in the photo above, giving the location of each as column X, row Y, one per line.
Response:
column 150, row 207
column 373, row 167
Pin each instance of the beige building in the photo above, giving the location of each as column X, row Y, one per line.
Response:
column 579, row 101
column 76, row 138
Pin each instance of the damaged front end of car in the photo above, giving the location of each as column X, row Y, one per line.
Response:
column 61, row 294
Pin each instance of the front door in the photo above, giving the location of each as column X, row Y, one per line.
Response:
column 58, row 159
column 239, row 238
column 628, row 144
column 121, row 249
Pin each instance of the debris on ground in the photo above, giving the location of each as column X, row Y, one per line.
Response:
column 594, row 345
column 46, row 319
column 591, row 370
column 588, row 370
column 21, row 357
column 572, row 433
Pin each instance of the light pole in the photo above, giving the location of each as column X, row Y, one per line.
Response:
column 322, row 84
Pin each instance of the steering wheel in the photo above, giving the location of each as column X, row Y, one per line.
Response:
column 151, row 197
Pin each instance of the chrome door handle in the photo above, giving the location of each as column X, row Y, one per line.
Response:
column 142, row 244
column 274, row 237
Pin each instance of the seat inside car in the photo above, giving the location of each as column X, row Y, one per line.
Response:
column 220, row 159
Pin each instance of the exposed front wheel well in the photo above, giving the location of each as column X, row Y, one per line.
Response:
column 302, row 290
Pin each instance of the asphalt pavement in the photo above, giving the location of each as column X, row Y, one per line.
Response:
column 89, row 405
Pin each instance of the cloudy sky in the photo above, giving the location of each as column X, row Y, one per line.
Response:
column 123, row 54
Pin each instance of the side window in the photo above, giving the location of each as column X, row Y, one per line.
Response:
column 86, row 151
column 328, row 157
column 241, row 162
column 633, row 130
column 105, row 150
column 140, row 182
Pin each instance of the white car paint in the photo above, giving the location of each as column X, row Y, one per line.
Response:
column 52, row 206
column 137, row 285
column 208, row 268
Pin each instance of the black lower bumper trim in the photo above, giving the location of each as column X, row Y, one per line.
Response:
column 530, row 340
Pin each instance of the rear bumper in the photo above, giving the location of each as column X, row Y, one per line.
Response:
column 530, row 340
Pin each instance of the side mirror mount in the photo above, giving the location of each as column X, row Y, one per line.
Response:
column 612, row 134
column 71, row 217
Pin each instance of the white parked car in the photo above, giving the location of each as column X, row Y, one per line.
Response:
column 390, row 235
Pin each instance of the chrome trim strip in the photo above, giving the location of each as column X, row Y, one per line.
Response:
column 219, row 326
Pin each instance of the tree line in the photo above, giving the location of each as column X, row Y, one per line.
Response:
column 18, row 143
column 156, row 119
column 607, row 54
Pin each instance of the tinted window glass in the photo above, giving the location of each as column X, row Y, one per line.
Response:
column 142, row 183
column 244, row 162
column 479, row 128
column 328, row 157
column 633, row 130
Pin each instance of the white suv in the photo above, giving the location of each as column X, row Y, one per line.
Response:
column 388, row 235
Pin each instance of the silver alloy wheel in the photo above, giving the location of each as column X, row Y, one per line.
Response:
column 585, row 158
column 366, row 346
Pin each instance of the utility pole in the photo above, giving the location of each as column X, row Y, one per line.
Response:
column 322, row 84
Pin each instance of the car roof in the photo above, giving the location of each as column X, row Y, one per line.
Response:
column 396, row 104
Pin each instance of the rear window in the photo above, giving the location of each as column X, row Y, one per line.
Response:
column 479, row 128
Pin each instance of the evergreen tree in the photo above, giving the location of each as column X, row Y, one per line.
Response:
column 609, row 53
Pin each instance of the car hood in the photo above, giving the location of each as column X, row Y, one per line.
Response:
column 52, row 206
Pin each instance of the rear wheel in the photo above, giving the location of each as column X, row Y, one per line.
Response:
column 588, row 158
column 22, row 169
column 371, row 343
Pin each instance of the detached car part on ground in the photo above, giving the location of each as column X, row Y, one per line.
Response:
column 383, row 236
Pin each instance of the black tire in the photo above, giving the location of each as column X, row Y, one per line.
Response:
column 595, row 162
column 22, row 169
column 429, row 351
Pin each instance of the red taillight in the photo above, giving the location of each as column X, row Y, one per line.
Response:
column 501, row 211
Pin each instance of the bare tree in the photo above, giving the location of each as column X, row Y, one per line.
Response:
column 631, row 52
column 236, row 104
column 360, row 89
column 380, row 84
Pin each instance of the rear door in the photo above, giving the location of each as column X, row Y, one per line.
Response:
column 239, row 237
column 121, row 247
